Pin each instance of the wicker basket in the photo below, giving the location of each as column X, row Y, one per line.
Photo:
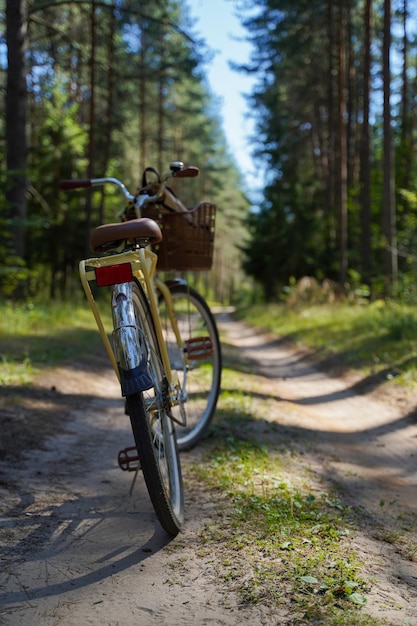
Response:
column 188, row 238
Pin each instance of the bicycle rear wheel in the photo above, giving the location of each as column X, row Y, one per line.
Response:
column 198, row 365
column 153, row 428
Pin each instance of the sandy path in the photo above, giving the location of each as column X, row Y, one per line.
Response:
column 373, row 440
column 83, row 551
column 80, row 551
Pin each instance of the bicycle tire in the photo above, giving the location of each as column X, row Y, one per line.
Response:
column 203, row 375
column 153, row 429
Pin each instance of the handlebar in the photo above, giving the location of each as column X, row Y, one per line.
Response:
column 177, row 170
column 94, row 182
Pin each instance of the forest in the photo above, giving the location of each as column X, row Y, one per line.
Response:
column 336, row 113
column 95, row 89
column 109, row 87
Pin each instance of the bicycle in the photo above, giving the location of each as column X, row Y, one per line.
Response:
column 165, row 347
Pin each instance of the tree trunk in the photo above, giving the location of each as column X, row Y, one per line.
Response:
column 143, row 134
column 91, row 132
column 389, row 227
column 16, row 142
column 162, row 80
column 365, row 169
column 161, row 116
column 332, row 136
column 343, row 172
column 108, row 127
column 404, row 169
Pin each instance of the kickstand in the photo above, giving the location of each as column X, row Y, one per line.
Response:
column 134, row 481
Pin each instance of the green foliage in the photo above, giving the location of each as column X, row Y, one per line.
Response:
column 56, row 223
column 13, row 269
column 281, row 229
column 13, row 273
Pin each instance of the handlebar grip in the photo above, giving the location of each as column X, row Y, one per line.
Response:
column 75, row 183
column 187, row 172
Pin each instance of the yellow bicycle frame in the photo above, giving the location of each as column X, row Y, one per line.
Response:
column 143, row 265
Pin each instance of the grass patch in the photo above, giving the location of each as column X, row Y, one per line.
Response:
column 284, row 536
column 377, row 338
column 35, row 336
column 285, row 545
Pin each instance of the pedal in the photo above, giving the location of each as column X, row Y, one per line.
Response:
column 199, row 348
column 129, row 460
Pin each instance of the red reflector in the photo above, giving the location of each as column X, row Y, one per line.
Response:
column 113, row 274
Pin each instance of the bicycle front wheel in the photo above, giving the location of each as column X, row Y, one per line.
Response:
column 153, row 428
column 197, row 362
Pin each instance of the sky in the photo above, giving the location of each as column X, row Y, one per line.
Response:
column 217, row 23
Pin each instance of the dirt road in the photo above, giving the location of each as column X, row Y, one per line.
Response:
column 77, row 550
